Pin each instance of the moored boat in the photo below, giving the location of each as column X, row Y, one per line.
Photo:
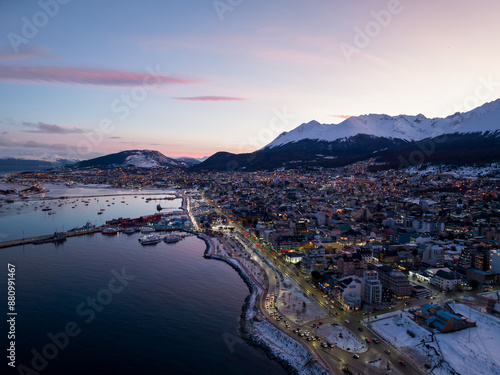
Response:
column 172, row 239
column 109, row 230
column 129, row 231
column 150, row 239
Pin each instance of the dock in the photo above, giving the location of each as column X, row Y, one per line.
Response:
column 30, row 240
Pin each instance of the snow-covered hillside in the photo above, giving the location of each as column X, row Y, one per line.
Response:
column 410, row 128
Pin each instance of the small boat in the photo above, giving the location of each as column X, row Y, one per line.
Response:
column 147, row 230
column 129, row 231
column 99, row 213
column 172, row 239
column 46, row 209
column 109, row 230
column 52, row 213
column 150, row 239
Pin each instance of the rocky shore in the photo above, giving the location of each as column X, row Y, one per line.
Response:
column 259, row 332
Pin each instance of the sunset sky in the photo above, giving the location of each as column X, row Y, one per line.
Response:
column 188, row 78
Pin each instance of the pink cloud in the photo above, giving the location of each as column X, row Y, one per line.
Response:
column 210, row 98
column 86, row 76
column 341, row 116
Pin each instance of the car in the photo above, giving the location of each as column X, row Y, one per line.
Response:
column 336, row 313
column 402, row 363
column 361, row 329
column 387, row 351
column 347, row 321
column 355, row 356
column 375, row 340
column 368, row 340
column 324, row 345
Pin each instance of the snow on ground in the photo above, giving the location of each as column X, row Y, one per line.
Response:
column 394, row 330
column 286, row 348
column 291, row 304
column 341, row 337
column 381, row 365
column 473, row 350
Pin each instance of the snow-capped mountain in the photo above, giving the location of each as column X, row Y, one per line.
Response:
column 395, row 141
column 132, row 158
column 404, row 127
column 190, row 161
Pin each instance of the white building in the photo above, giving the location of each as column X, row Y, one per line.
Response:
column 372, row 288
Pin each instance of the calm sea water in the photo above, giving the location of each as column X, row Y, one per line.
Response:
column 178, row 315
column 21, row 219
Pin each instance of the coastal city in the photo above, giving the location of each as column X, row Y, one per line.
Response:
column 350, row 270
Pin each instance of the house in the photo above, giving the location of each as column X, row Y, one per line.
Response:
column 438, row 317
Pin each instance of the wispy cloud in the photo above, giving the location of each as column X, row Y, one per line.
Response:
column 28, row 52
column 40, row 127
column 6, row 141
column 341, row 116
column 114, row 137
column 85, row 76
column 210, row 98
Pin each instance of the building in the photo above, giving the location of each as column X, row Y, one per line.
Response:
column 480, row 276
column 293, row 257
column 301, row 226
column 434, row 256
column 446, row 280
column 395, row 281
column 495, row 261
column 348, row 292
column 372, row 288
column 437, row 316
column 348, row 263
column 289, row 242
column 421, row 292
column 314, row 260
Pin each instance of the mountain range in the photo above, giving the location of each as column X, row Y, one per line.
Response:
column 393, row 141
column 468, row 138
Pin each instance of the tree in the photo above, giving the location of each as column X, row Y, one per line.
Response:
column 316, row 276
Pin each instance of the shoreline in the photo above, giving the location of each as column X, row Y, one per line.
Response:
column 305, row 364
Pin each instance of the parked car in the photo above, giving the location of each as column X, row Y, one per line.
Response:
column 402, row 363
column 361, row 329
column 387, row 351
column 355, row 356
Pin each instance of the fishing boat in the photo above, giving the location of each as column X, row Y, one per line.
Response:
column 147, row 229
column 129, row 231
